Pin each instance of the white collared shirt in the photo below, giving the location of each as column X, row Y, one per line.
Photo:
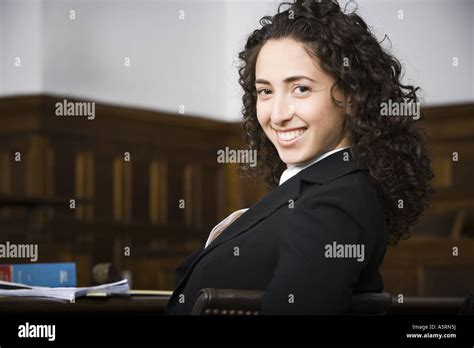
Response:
column 293, row 169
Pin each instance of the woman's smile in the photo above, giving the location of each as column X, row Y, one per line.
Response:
column 287, row 138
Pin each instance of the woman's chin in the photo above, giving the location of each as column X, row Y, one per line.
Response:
column 290, row 159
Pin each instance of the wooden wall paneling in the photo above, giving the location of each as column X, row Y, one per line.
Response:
column 210, row 197
column 84, row 181
column 177, row 203
column 6, row 161
column 193, row 195
column 104, row 189
column 140, row 195
column 39, row 173
column 64, row 171
column 122, row 194
column 411, row 266
column 158, row 192
column 186, row 150
column 235, row 198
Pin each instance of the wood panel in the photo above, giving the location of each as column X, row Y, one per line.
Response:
column 173, row 157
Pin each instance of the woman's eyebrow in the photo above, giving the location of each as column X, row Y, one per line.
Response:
column 287, row 80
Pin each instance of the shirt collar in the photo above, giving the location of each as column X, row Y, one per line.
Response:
column 293, row 169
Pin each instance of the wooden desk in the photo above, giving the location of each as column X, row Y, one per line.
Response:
column 136, row 304
column 156, row 305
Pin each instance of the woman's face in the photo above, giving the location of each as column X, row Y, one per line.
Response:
column 294, row 105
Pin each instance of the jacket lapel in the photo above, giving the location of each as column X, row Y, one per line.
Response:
column 267, row 205
column 330, row 168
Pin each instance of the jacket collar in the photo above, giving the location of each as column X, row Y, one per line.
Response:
column 330, row 168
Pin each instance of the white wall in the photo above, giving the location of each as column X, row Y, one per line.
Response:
column 190, row 62
column 430, row 35
column 2, row 12
column 241, row 20
column 173, row 62
column 21, row 35
column 472, row 49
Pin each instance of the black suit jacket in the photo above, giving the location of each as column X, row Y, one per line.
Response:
column 280, row 244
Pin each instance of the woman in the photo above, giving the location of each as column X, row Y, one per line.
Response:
column 346, row 180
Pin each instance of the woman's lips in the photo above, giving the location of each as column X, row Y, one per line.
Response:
column 288, row 138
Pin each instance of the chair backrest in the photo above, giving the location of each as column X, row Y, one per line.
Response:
column 211, row 301
column 371, row 303
column 468, row 305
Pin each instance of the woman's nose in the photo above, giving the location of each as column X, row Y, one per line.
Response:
column 282, row 111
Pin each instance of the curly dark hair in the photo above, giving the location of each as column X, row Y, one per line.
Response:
column 392, row 149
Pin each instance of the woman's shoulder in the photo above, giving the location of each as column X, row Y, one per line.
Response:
column 353, row 186
column 352, row 194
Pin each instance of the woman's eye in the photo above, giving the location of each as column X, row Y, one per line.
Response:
column 302, row 89
column 263, row 90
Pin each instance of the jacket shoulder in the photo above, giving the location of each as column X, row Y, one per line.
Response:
column 355, row 195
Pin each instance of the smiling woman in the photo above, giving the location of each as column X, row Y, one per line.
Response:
column 345, row 180
column 296, row 111
column 317, row 69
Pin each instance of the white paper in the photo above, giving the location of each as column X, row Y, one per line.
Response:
column 67, row 293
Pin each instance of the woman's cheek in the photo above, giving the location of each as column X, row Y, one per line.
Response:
column 309, row 112
column 260, row 117
column 261, row 112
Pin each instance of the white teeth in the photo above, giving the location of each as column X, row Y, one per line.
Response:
column 288, row 136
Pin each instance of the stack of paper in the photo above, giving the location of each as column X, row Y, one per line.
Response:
column 67, row 293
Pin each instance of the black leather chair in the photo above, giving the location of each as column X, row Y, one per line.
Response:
column 212, row 301
column 468, row 305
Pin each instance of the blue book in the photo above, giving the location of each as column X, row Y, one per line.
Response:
column 45, row 274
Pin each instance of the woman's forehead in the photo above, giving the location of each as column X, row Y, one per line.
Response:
column 281, row 59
